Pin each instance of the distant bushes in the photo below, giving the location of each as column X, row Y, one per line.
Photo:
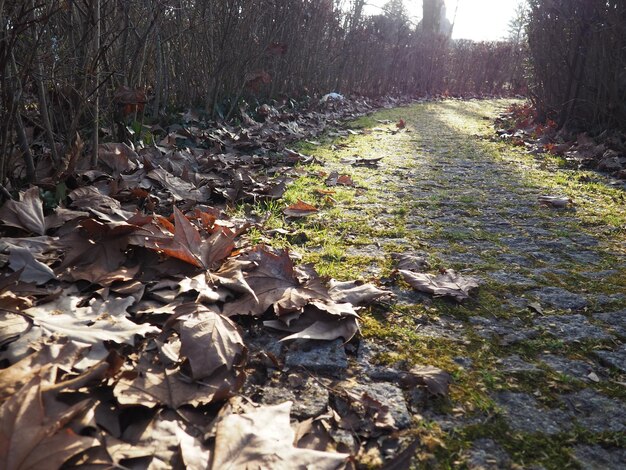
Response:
column 578, row 58
column 57, row 72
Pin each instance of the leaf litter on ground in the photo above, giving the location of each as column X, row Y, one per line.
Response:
column 134, row 293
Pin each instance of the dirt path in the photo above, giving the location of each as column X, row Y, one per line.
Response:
column 537, row 356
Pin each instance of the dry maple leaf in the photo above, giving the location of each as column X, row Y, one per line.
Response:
column 26, row 214
column 300, row 209
column 31, row 439
column 263, row 438
column 95, row 250
column 153, row 384
column 92, row 325
column 355, row 292
column 411, row 261
column 32, row 270
column 555, row 201
column 275, row 282
column 448, row 284
column 17, row 375
column 209, row 341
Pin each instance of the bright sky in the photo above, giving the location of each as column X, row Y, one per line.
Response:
column 480, row 20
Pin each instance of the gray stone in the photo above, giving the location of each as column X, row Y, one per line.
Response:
column 440, row 327
column 585, row 257
column 553, row 245
column 595, row 457
column 464, row 362
column 517, row 260
column 365, row 363
column 571, row 328
column 596, row 412
column 602, row 300
column 404, row 297
column 615, row 320
column 390, row 396
column 486, row 454
column 516, row 365
column 511, row 279
column 309, row 400
column 523, row 414
column 372, row 251
column 616, row 359
column 599, row 275
column 545, row 257
column 584, row 240
column 325, row 357
column 524, row 244
column 573, row 368
column 465, row 259
column 506, row 331
column 557, row 297
column 539, row 232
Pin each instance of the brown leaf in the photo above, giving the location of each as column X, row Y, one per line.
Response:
column 92, row 325
column 300, row 209
column 209, row 340
column 26, row 214
column 153, row 384
column 58, row 355
column 411, row 261
column 183, row 245
column 12, row 325
column 118, row 157
column 102, row 206
column 30, row 439
column 31, row 269
column 448, row 284
column 275, row 282
column 355, row 292
column 263, row 438
column 179, row 188
column 217, row 248
column 437, row 381
column 95, row 250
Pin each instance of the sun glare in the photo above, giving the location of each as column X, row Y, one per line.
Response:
column 479, row 20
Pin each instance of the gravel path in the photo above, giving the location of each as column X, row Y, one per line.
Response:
column 538, row 357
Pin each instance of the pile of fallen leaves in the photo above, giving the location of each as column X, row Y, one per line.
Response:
column 606, row 152
column 127, row 303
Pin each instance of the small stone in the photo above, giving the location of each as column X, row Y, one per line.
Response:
column 506, row 331
column 615, row 320
column 464, row 362
column 571, row 328
column 523, row 414
column 516, row 365
column 616, row 359
column 309, row 400
column 486, row 454
column 515, row 260
column 595, row 457
column 545, row 257
column 573, row 368
column 560, row 298
column 596, row 412
column 602, row 300
column 589, row 258
column 511, row 279
column 390, row 396
column 365, row 356
column 325, row 357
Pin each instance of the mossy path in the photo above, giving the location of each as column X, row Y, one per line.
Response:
column 537, row 355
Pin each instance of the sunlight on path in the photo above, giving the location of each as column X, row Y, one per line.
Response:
column 538, row 356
